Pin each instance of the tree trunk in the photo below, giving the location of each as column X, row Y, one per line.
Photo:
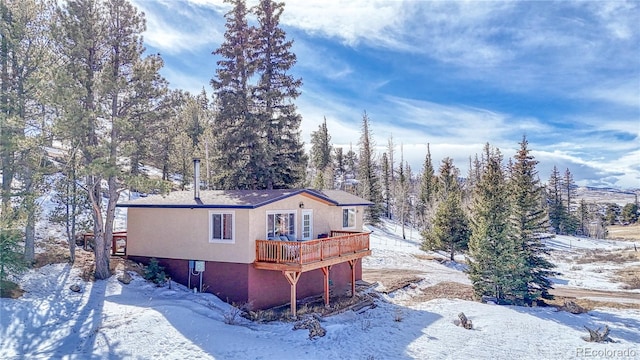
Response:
column 452, row 250
column 100, row 251
column 30, row 231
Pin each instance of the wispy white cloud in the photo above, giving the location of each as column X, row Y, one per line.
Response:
column 622, row 92
column 177, row 27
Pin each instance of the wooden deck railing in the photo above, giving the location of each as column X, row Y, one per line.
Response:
column 116, row 247
column 304, row 252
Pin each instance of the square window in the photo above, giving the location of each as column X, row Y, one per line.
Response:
column 221, row 227
column 349, row 218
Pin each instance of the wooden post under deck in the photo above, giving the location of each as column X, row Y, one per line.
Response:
column 325, row 272
column 292, row 278
column 352, row 265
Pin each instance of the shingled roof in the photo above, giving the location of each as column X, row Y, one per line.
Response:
column 242, row 199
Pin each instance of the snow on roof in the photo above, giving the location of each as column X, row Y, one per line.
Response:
column 243, row 199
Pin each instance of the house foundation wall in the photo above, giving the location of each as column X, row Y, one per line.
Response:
column 260, row 289
column 270, row 288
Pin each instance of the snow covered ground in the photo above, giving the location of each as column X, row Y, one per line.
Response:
column 110, row 320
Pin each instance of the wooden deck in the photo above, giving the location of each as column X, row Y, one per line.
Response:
column 295, row 257
column 301, row 256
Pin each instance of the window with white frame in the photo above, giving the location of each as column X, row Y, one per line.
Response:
column 221, row 227
column 349, row 218
column 281, row 224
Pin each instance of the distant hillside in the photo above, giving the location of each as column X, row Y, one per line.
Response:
column 606, row 195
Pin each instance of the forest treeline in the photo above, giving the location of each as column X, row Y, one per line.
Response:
column 80, row 97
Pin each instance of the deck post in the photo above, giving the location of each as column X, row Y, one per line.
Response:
column 325, row 272
column 292, row 277
column 352, row 265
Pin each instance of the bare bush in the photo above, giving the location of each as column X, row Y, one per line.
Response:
column 398, row 315
column 313, row 325
column 598, row 335
column 232, row 315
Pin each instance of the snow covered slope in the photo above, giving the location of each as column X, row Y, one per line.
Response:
column 109, row 320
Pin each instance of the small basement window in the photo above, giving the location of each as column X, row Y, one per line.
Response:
column 221, row 227
column 349, row 218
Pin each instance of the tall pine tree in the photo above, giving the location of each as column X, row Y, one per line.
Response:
column 426, row 192
column 556, row 209
column 236, row 126
column 274, row 97
column 528, row 223
column 321, row 156
column 494, row 255
column 369, row 184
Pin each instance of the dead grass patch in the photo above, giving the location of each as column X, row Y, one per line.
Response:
column 392, row 279
column 427, row 257
column 626, row 232
column 588, row 304
column 445, row 290
column 601, row 256
column 55, row 252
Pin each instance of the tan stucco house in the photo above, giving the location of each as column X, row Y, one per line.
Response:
column 260, row 247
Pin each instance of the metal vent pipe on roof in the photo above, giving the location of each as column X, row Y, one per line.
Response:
column 196, row 178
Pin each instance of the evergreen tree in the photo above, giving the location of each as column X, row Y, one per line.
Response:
column 630, row 213
column 236, row 126
column 528, row 223
column 557, row 210
column 72, row 203
column 611, row 214
column 447, row 179
column 449, row 230
column 494, row 260
column 11, row 259
column 321, row 147
column 80, row 42
column 584, row 218
column 427, row 192
column 403, row 188
column 569, row 194
column 275, row 93
column 351, row 162
column 146, row 112
column 450, row 227
column 100, row 45
column 339, row 163
column 369, row 187
column 386, row 185
column 321, row 159
column 25, row 62
column 169, row 126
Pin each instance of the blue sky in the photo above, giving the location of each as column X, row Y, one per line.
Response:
column 455, row 75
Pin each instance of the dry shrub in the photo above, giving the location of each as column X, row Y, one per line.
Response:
column 232, row 315
column 630, row 276
column 54, row 253
column 10, row 290
column 572, row 307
